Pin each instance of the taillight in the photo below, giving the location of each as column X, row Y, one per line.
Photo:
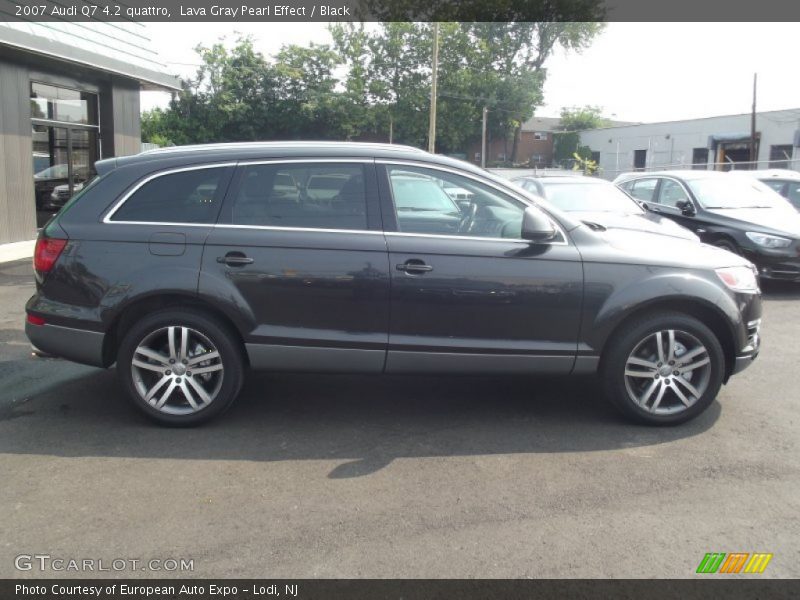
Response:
column 34, row 320
column 46, row 253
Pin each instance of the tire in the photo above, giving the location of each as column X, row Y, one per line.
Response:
column 634, row 375
column 147, row 375
column 728, row 245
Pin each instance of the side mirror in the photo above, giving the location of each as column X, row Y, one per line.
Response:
column 686, row 208
column 537, row 226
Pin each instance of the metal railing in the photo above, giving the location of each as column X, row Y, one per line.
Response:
column 789, row 164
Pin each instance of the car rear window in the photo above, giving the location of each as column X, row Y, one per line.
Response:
column 182, row 197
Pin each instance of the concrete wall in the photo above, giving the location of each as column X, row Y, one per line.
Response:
column 672, row 143
column 120, row 122
column 17, row 207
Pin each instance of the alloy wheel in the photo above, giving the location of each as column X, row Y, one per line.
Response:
column 177, row 370
column 667, row 372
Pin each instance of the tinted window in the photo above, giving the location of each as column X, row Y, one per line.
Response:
column 793, row 193
column 423, row 205
column 778, row 186
column 183, row 197
column 671, row 193
column 644, row 189
column 308, row 195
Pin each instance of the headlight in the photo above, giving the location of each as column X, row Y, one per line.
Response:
column 739, row 279
column 768, row 241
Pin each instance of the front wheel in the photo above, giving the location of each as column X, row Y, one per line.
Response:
column 663, row 369
column 180, row 367
column 728, row 245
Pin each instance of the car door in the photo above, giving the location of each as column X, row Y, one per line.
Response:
column 468, row 294
column 675, row 202
column 298, row 254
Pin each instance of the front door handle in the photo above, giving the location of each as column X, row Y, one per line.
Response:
column 414, row 266
column 235, row 259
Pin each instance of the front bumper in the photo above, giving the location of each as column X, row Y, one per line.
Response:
column 750, row 352
column 784, row 266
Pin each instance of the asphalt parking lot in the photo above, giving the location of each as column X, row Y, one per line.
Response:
column 345, row 476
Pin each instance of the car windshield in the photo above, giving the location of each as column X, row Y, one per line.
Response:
column 412, row 193
column 719, row 192
column 594, row 197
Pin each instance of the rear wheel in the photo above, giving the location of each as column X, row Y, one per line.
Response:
column 180, row 367
column 663, row 369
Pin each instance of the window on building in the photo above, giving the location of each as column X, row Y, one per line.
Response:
column 540, row 135
column 183, row 197
column 780, row 156
column 639, row 160
column 596, row 157
column 63, row 104
column 700, row 159
column 303, row 195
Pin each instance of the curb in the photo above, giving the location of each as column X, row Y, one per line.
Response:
column 16, row 251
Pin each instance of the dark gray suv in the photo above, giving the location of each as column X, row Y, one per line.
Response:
column 187, row 266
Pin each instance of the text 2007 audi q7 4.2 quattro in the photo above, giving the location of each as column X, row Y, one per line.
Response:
column 185, row 266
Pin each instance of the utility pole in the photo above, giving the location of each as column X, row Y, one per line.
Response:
column 753, row 151
column 483, row 137
column 391, row 128
column 432, row 122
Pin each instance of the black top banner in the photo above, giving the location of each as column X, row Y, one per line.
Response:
column 399, row 10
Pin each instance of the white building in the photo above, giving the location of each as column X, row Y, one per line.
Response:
column 712, row 143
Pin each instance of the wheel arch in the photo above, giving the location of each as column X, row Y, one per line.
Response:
column 706, row 312
column 140, row 307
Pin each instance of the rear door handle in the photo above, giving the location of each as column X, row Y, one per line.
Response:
column 235, row 259
column 414, row 266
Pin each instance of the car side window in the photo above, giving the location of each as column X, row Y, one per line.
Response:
column 793, row 193
column 441, row 203
column 671, row 193
column 643, row 189
column 302, row 195
column 192, row 196
column 778, row 186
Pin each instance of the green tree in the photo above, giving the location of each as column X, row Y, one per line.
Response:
column 238, row 94
column 574, row 120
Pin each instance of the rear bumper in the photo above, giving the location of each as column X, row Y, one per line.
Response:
column 77, row 345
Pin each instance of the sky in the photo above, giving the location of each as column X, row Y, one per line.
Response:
column 643, row 72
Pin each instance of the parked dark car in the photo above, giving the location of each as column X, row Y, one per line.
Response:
column 599, row 202
column 51, row 185
column 186, row 266
column 738, row 214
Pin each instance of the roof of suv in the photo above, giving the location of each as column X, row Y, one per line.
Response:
column 259, row 150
